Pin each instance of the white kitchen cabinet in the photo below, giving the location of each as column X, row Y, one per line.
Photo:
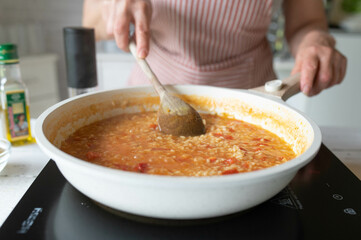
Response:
column 113, row 70
column 39, row 72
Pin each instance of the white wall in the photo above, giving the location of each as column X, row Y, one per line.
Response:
column 51, row 16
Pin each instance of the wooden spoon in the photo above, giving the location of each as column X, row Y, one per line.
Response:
column 175, row 116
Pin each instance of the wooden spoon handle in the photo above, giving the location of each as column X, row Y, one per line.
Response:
column 289, row 86
column 147, row 70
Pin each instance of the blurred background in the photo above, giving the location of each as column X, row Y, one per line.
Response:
column 36, row 26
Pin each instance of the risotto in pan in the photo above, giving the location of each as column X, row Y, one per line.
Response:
column 133, row 142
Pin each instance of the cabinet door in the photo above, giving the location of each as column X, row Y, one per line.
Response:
column 114, row 70
column 40, row 76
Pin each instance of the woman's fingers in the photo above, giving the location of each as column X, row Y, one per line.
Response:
column 120, row 13
column 332, row 71
column 325, row 74
column 342, row 66
column 321, row 67
column 142, row 14
column 121, row 27
column 308, row 73
column 109, row 14
column 297, row 67
column 337, row 71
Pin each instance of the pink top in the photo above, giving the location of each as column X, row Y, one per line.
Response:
column 210, row 42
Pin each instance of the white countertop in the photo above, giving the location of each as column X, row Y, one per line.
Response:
column 24, row 165
column 26, row 162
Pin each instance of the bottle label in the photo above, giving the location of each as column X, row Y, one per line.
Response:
column 18, row 122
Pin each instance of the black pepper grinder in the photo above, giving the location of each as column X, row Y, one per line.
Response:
column 80, row 60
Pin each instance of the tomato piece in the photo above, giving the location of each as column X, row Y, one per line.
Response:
column 217, row 134
column 228, row 137
column 153, row 126
column 121, row 166
column 142, row 167
column 92, row 155
column 243, row 149
column 221, row 135
column 230, row 171
column 261, row 144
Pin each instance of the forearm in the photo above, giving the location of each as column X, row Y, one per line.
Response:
column 306, row 26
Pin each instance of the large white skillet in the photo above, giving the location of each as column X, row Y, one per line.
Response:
column 180, row 197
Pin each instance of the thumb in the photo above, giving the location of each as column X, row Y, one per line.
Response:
column 297, row 67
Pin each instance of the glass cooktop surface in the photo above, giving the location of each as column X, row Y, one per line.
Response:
column 323, row 201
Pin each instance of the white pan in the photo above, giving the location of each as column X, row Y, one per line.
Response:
column 173, row 197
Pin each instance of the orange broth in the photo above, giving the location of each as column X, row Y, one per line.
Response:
column 133, row 142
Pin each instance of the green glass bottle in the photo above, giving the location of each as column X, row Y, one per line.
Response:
column 15, row 115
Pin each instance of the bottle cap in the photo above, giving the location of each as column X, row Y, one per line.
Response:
column 80, row 59
column 8, row 53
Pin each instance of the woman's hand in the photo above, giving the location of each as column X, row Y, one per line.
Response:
column 320, row 64
column 118, row 14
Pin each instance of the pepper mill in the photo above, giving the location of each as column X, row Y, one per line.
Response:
column 79, row 43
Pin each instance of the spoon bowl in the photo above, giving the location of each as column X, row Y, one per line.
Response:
column 175, row 117
column 178, row 118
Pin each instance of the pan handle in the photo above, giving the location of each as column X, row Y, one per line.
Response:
column 283, row 89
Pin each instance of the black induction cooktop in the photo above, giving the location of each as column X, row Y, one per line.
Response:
column 323, row 201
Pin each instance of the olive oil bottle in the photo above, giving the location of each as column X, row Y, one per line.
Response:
column 15, row 116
